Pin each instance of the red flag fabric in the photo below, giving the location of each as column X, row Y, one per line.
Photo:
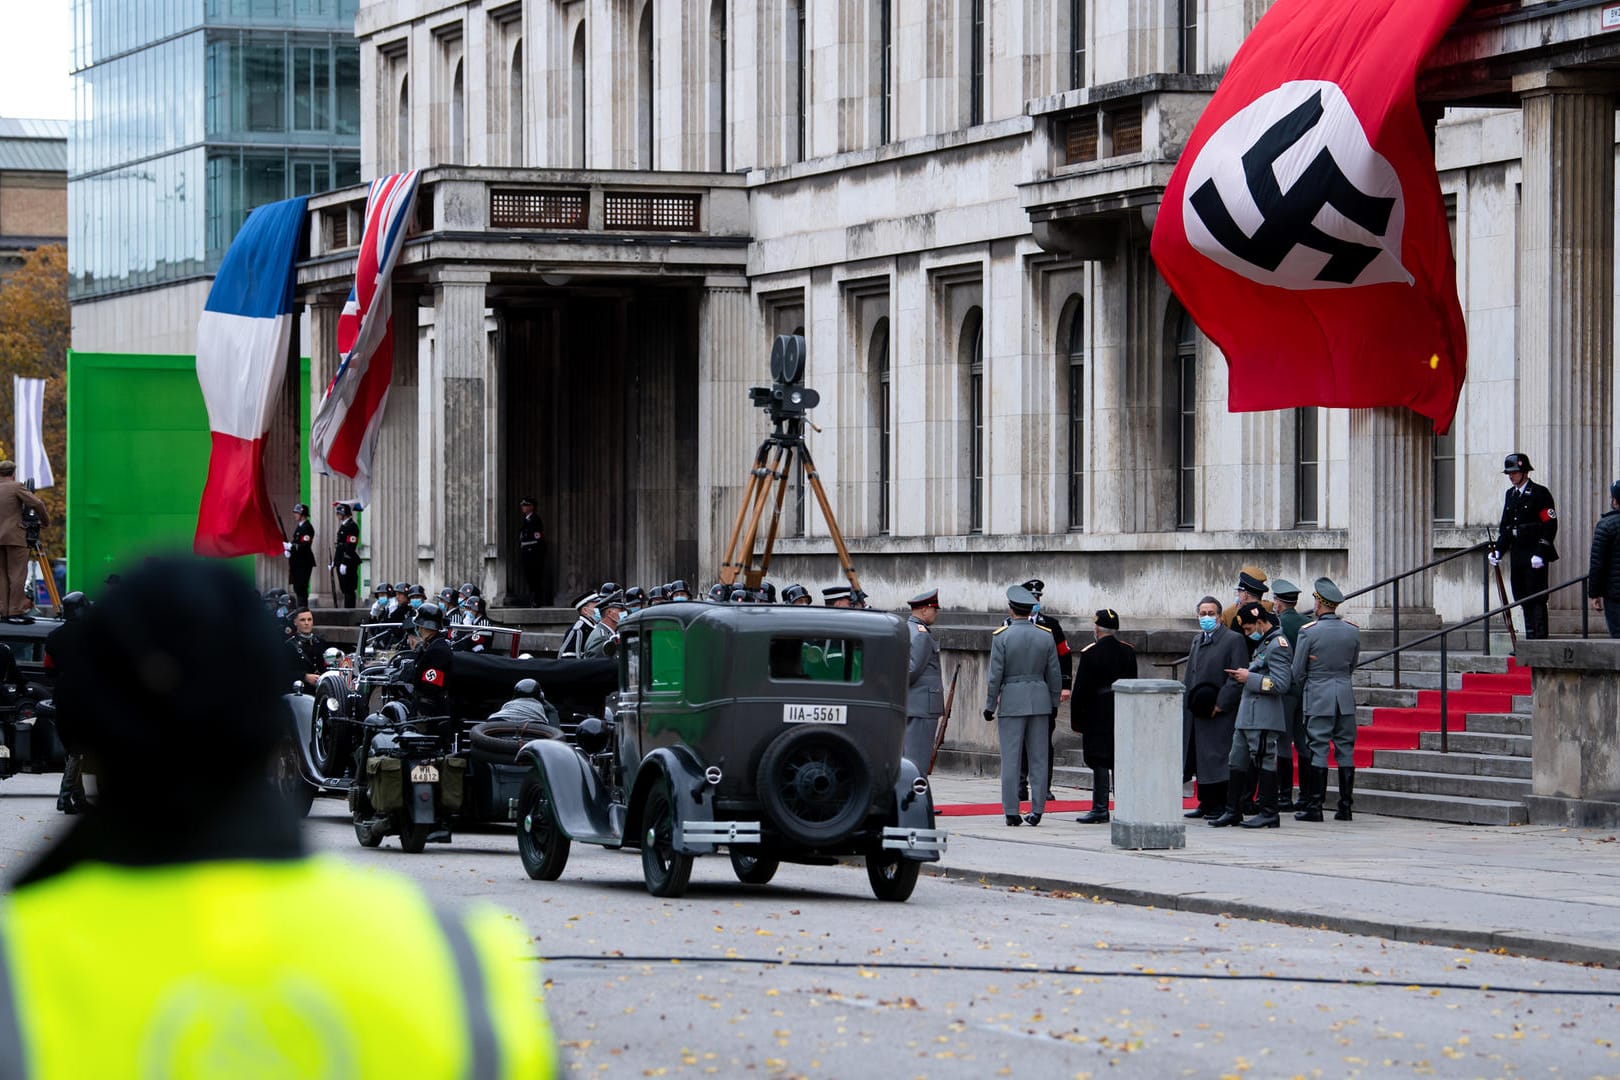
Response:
column 1303, row 228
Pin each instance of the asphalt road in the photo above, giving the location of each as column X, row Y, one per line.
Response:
column 810, row 976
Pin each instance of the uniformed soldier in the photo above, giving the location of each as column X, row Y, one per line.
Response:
column 797, row 595
column 191, row 845
column 531, row 549
column 346, row 555
column 604, row 639
column 1325, row 657
column 573, row 642
column 382, row 596
column 1251, row 589
column 836, row 596
column 1026, row 686
column 925, row 698
column 300, row 551
column 307, row 648
column 1529, row 527
column 679, row 591
column 1091, row 710
column 1290, row 618
column 1262, row 718
column 429, row 671
column 1066, row 665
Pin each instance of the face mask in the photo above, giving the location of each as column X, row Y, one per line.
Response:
column 1206, row 623
column 416, row 602
column 1255, row 635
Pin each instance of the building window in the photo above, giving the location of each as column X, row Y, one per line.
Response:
column 578, row 102
column 717, row 86
column 402, row 125
column 798, row 81
column 514, row 107
column 312, row 88
column 973, row 335
column 885, row 71
column 1186, row 382
column 1445, row 478
column 458, row 117
column 1307, row 467
column 1188, row 36
column 976, row 62
column 885, row 423
column 1077, row 418
column 1077, row 44
column 644, row 100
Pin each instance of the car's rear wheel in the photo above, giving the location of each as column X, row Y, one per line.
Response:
column 892, row 875
column 665, row 870
column 752, row 868
column 815, row 785
column 542, row 847
column 413, row 837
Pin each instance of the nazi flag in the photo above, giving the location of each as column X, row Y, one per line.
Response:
column 1303, row 228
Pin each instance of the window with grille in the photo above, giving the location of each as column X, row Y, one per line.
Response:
column 1077, row 44
column 1077, row 418
column 1445, row 478
column 1307, row 467
column 654, row 213
column 976, row 457
column 537, row 209
column 1189, row 36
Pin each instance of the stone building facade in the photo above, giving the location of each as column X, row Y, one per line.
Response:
column 952, row 199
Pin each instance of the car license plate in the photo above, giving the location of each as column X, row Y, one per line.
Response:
column 815, row 714
column 424, row 774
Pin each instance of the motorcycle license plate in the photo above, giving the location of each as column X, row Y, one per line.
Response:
column 5, row 751
column 424, row 774
column 815, row 714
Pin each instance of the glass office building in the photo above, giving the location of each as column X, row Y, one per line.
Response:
column 189, row 113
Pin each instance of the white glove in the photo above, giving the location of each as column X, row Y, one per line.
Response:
column 1496, row 558
column 343, row 570
column 1536, row 562
column 286, row 548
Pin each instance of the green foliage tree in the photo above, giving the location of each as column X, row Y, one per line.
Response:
column 35, row 328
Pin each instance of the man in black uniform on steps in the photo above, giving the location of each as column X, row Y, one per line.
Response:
column 1529, row 526
column 531, row 550
column 300, row 554
column 346, row 555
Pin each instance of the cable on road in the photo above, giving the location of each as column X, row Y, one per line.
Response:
column 1075, row 972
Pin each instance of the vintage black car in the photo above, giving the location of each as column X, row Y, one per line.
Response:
column 28, row 739
column 772, row 731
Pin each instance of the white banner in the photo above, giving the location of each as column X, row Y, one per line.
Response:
column 28, row 442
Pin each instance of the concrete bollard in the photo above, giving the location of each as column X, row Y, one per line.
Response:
column 1147, row 765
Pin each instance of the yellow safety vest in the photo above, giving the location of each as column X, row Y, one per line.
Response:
column 304, row 968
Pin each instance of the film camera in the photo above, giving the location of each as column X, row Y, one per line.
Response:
column 32, row 523
column 787, row 398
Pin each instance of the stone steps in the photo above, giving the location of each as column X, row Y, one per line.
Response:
column 1469, row 742
column 1466, row 764
column 1407, row 782
column 1470, row 662
column 1499, row 723
column 1433, row 807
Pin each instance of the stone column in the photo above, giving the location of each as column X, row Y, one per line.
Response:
column 1391, row 514
column 730, row 359
column 456, row 441
column 1147, row 765
column 323, row 489
column 1566, row 303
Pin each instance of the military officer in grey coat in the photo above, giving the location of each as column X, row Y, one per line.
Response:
column 1026, row 685
column 925, row 700
column 1262, row 718
column 1325, row 656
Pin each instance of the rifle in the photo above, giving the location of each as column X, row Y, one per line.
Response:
column 1501, row 590
column 944, row 720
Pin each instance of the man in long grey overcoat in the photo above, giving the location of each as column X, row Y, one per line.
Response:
column 1210, row 706
column 1262, row 719
column 1325, row 657
column 1026, row 685
column 925, row 695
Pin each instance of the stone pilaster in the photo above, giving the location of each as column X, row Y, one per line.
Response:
column 324, row 489
column 1566, row 304
column 1391, row 514
column 455, row 440
column 729, row 361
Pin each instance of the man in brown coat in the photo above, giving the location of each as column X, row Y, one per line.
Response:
column 13, row 543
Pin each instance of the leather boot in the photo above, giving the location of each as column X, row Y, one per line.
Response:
column 1099, row 799
column 1267, row 818
column 1347, row 792
column 1285, row 779
column 1236, row 788
column 1312, row 790
column 1211, row 798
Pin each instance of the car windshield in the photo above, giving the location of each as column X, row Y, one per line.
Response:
column 816, row 660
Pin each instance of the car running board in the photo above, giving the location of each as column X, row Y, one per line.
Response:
column 897, row 838
column 720, row 832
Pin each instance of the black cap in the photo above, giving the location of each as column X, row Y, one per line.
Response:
column 1107, row 618
column 1252, row 613
column 1614, row 490
column 526, row 501
column 1252, row 580
column 835, row 592
column 1517, row 462
column 342, row 509
column 300, row 508
column 1036, row 586
column 616, row 600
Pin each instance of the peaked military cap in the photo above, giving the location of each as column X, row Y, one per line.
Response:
column 1328, row 591
column 1021, row 599
column 835, row 592
column 616, row 600
column 1252, row 612
column 1107, row 618
column 927, row 599
column 584, row 598
column 1285, row 590
column 1252, row 579
column 1036, row 586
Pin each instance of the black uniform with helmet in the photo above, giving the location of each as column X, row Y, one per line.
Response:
column 1527, row 531
column 301, row 554
column 531, row 550
column 346, row 555
column 429, row 672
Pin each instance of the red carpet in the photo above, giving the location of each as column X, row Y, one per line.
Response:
column 1401, row 729
column 1056, row 806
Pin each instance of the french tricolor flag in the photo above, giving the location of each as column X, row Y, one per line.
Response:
column 243, row 339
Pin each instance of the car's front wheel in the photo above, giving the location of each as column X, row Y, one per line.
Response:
column 752, row 868
column 542, row 847
column 892, row 875
column 665, row 870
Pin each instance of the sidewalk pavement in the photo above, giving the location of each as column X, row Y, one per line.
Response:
column 1540, row 891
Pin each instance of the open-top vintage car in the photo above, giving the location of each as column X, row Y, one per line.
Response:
column 774, row 732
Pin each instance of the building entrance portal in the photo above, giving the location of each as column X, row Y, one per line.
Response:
column 601, row 422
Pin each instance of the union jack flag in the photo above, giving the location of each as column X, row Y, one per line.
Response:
column 343, row 433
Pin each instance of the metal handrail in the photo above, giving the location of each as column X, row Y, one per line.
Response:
column 1444, row 631
column 1394, row 582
